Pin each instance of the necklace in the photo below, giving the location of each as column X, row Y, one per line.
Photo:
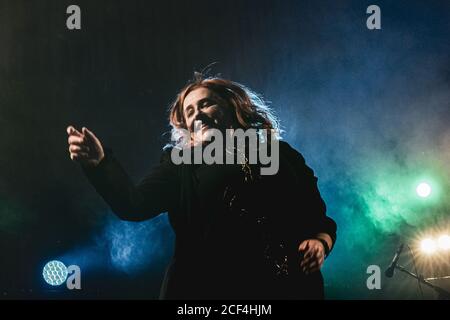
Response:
column 245, row 164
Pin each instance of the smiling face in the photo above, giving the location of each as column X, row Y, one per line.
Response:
column 203, row 105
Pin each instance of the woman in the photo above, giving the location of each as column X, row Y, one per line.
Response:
column 239, row 234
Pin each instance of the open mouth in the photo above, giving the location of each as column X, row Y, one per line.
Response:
column 205, row 126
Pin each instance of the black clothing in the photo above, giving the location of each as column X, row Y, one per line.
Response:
column 234, row 238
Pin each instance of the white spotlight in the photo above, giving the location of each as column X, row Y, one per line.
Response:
column 444, row 242
column 428, row 246
column 423, row 190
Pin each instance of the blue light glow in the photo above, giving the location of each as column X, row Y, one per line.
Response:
column 136, row 246
column 55, row 273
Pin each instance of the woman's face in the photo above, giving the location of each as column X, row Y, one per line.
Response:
column 203, row 105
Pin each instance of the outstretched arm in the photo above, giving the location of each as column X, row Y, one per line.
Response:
column 153, row 195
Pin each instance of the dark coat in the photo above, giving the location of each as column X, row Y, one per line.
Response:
column 236, row 247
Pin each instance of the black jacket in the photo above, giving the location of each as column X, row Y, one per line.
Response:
column 230, row 246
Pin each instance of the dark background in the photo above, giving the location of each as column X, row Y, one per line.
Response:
column 369, row 110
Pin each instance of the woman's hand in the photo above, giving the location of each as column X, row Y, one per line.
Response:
column 313, row 255
column 84, row 147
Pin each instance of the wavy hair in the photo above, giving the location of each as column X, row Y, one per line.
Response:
column 251, row 111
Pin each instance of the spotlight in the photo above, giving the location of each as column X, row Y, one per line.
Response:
column 444, row 242
column 423, row 190
column 55, row 273
column 428, row 246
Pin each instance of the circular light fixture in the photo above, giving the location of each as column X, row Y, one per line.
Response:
column 55, row 273
column 423, row 190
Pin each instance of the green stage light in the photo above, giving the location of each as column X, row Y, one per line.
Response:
column 423, row 190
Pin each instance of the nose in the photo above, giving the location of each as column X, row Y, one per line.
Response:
column 199, row 115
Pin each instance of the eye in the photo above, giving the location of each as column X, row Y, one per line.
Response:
column 189, row 112
column 208, row 103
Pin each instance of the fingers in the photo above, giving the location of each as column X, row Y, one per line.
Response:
column 75, row 136
column 72, row 131
column 313, row 265
column 83, row 137
column 313, row 258
column 79, row 156
column 316, row 263
column 79, row 152
column 89, row 135
column 303, row 246
column 74, row 148
column 84, row 147
column 309, row 256
column 73, row 139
